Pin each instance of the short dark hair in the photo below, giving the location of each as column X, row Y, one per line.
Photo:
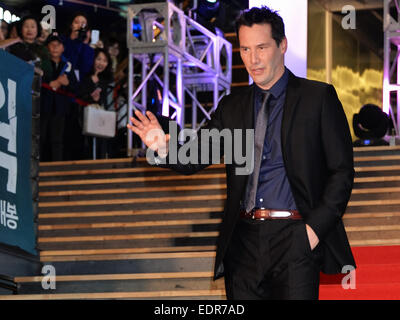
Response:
column 53, row 37
column 20, row 24
column 263, row 15
column 78, row 14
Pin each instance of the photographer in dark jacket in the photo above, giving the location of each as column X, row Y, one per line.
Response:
column 59, row 83
column 77, row 50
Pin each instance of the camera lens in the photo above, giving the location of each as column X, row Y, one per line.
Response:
column 82, row 34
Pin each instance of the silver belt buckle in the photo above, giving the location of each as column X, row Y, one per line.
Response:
column 280, row 214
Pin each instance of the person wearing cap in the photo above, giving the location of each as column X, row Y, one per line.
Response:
column 59, row 85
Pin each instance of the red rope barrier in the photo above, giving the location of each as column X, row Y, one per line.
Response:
column 66, row 93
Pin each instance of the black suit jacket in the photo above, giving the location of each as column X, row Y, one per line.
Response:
column 318, row 155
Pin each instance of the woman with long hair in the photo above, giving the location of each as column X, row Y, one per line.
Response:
column 94, row 90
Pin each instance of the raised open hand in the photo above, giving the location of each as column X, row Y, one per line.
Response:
column 149, row 130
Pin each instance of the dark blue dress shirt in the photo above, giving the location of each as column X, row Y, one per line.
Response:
column 273, row 189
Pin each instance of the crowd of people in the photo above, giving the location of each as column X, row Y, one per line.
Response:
column 76, row 72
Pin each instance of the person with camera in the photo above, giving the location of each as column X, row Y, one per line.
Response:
column 77, row 49
column 81, row 56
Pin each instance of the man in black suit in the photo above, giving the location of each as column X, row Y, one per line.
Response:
column 282, row 223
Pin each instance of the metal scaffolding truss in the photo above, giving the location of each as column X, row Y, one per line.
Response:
column 391, row 61
column 191, row 57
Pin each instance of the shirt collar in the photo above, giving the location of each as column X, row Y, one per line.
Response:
column 279, row 87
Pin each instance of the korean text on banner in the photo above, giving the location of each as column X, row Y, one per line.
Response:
column 16, row 211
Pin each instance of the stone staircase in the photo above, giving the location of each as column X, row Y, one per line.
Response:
column 117, row 229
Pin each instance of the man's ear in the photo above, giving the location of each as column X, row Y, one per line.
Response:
column 284, row 45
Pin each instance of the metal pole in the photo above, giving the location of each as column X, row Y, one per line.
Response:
column 94, row 148
column 194, row 107
column 165, row 105
column 203, row 64
column 398, row 92
column 144, row 90
column 144, row 81
column 216, row 94
column 130, row 104
column 197, row 104
column 95, row 6
column 397, row 62
column 171, row 96
column 328, row 46
column 179, row 92
column 386, row 59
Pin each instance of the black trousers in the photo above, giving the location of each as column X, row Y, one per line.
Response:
column 271, row 259
column 52, row 135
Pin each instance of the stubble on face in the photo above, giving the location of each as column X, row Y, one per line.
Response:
column 262, row 57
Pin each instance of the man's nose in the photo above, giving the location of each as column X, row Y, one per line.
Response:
column 254, row 57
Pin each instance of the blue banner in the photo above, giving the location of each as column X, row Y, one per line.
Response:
column 16, row 211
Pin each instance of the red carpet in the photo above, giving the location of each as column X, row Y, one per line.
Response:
column 377, row 276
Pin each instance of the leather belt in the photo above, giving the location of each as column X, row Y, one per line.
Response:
column 270, row 214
